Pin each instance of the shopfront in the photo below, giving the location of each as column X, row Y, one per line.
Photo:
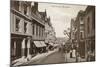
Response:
column 40, row 46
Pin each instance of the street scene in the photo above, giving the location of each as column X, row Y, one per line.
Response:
column 51, row 33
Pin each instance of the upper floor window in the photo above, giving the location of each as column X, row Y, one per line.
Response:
column 33, row 29
column 81, row 21
column 93, row 22
column 81, row 27
column 16, row 5
column 88, row 23
column 81, row 35
column 37, row 30
column 17, row 24
column 25, row 9
column 42, row 31
column 25, row 27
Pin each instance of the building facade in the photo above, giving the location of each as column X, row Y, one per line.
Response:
column 72, row 33
column 38, row 36
column 21, row 32
column 83, row 33
column 89, row 21
column 80, row 33
column 27, row 30
column 50, row 35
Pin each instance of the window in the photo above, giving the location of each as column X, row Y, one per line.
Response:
column 33, row 29
column 16, row 5
column 25, row 27
column 25, row 9
column 17, row 24
column 81, row 21
column 93, row 22
column 88, row 22
column 81, row 35
column 37, row 30
column 42, row 31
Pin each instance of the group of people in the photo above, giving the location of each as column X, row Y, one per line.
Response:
column 68, row 52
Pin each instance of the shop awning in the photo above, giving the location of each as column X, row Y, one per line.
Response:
column 43, row 44
column 39, row 43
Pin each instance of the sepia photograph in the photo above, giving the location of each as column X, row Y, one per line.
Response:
column 51, row 33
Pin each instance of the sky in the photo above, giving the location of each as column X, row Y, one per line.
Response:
column 60, row 15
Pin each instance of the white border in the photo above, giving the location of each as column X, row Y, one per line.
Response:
column 5, row 33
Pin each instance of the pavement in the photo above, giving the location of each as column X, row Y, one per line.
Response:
column 51, row 57
column 68, row 59
column 55, row 58
column 22, row 61
column 73, row 59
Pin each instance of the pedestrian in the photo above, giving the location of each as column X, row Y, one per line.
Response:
column 65, row 56
column 59, row 49
column 64, row 50
column 73, row 53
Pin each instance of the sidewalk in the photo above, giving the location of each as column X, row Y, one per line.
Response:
column 68, row 59
column 71, row 60
column 36, row 58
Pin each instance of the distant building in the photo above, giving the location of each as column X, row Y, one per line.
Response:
column 73, row 33
column 80, row 33
column 50, row 35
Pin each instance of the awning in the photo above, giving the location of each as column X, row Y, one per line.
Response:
column 43, row 44
column 39, row 43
